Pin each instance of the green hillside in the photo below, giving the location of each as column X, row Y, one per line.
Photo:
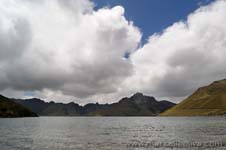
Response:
column 9, row 108
column 206, row 101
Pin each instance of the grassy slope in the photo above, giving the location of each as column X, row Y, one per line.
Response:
column 9, row 108
column 206, row 101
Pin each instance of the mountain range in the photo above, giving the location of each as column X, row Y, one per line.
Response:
column 136, row 105
column 206, row 101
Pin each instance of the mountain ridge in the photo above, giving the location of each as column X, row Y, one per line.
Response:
column 136, row 105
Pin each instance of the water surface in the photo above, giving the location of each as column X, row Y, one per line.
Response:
column 112, row 133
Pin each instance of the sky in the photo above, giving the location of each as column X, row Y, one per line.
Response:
column 153, row 16
column 100, row 51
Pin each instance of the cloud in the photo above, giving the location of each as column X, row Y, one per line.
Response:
column 184, row 56
column 64, row 46
column 66, row 50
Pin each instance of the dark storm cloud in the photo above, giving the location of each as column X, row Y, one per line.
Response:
column 15, row 39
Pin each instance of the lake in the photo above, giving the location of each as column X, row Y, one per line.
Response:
column 112, row 133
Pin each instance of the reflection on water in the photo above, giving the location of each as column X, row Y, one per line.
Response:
column 111, row 133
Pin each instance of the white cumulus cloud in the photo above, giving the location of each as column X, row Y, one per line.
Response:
column 184, row 56
column 67, row 50
column 64, row 47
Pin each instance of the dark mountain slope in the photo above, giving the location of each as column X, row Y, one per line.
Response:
column 43, row 108
column 9, row 108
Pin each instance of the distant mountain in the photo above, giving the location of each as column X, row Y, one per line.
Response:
column 43, row 108
column 206, row 101
column 137, row 105
column 9, row 108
